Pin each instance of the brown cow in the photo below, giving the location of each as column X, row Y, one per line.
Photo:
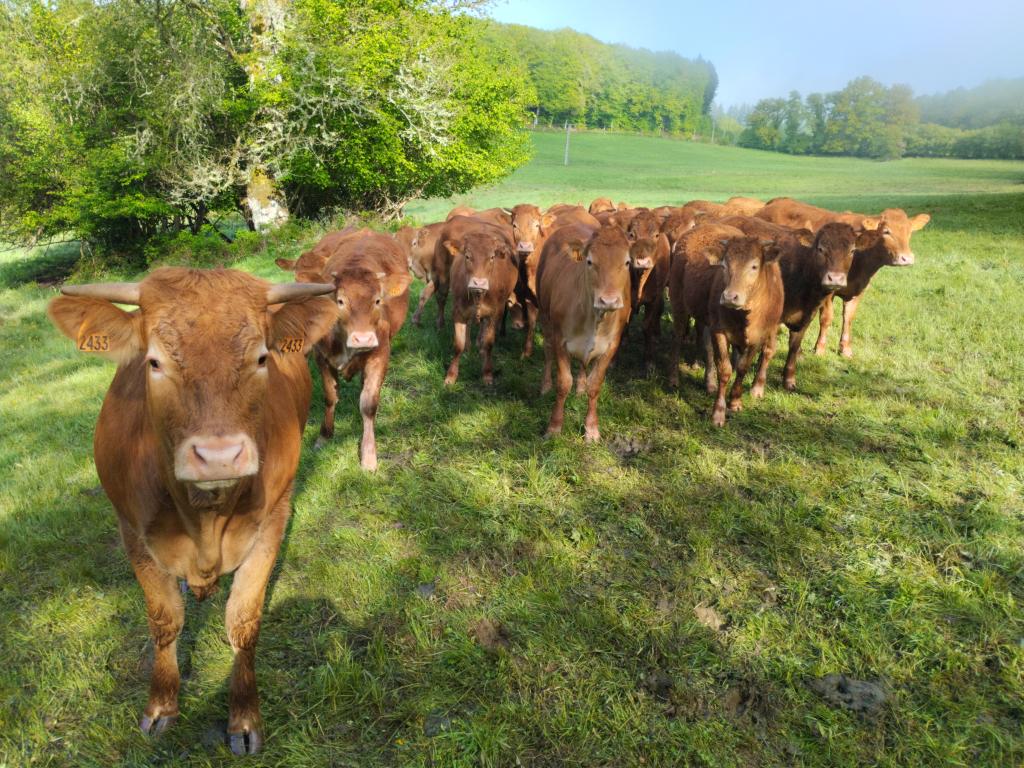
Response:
column 583, row 292
column 311, row 263
column 484, row 273
column 888, row 244
column 650, row 258
column 455, row 229
column 742, row 206
column 197, row 445
column 707, row 208
column 744, row 309
column 499, row 216
column 799, row 215
column 679, row 222
column 421, row 262
column 689, row 285
column 371, row 286
column 601, row 205
column 813, row 268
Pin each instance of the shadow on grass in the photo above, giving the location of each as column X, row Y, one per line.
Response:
column 45, row 265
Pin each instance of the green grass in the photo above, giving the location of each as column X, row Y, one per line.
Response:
column 871, row 523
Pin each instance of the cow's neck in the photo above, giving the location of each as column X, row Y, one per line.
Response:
column 865, row 264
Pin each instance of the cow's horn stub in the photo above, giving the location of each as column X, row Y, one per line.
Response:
column 121, row 293
column 282, row 292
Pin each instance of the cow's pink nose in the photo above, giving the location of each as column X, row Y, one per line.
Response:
column 730, row 299
column 605, row 301
column 525, row 247
column 834, row 280
column 362, row 340
column 479, row 284
column 904, row 259
column 204, row 459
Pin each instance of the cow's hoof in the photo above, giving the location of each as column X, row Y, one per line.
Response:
column 718, row 418
column 592, row 436
column 735, row 406
column 757, row 392
column 819, row 351
column 245, row 743
column 789, row 385
column 449, row 380
column 155, row 726
column 846, row 352
column 321, row 441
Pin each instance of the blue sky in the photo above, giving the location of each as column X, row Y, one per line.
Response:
column 767, row 48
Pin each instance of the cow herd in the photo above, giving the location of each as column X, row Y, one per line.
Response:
column 197, row 442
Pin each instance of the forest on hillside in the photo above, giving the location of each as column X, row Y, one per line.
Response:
column 869, row 119
column 574, row 77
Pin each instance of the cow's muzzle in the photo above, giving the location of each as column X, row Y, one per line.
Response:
column 903, row 259
column 731, row 299
column 361, row 341
column 834, row 280
column 479, row 284
column 216, row 462
column 607, row 303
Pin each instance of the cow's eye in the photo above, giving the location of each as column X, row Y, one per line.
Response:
column 154, row 364
column 261, row 360
column 378, row 301
column 341, row 302
column 590, row 262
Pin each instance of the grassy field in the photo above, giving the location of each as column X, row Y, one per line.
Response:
column 668, row 597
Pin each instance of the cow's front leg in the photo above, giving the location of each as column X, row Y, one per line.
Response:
column 594, row 381
column 373, row 379
column 824, row 323
column 744, row 358
column 459, row 342
column 846, row 339
column 330, row 381
column 242, row 619
column 165, row 612
column 761, row 378
column 485, row 340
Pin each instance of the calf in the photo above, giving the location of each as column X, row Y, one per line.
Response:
column 744, row 309
column 583, row 293
column 484, row 273
column 601, row 205
column 650, row 258
column 887, row 243
column 371, row 287
column 454, row 230
column 310, row 264
column 197, row 445
column 530, row 228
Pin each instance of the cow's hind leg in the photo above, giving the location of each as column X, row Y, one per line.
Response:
column 242, row 619
column 330, row 381
column 165, row 611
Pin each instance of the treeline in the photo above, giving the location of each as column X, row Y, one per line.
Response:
column 868, row 119
column 123, row 120
column 576, row 78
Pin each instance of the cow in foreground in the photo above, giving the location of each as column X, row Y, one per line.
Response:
column 371, row 289
column 197, row 445
column 583, row 290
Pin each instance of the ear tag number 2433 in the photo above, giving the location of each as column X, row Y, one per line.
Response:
column 94, row 342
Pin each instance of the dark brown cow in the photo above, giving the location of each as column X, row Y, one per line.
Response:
column 454, row 230
column 888, row 244
column 650, row 258
column 689, row 286
column 679, row 222
column 371, row 286
column 197, row 445
column 744, row 309
column 583, row 292
column 484, row 273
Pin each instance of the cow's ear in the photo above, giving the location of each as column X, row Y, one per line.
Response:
column 715, row 253
column 97, row 326
column 288, row 265
column 804, row 236
column 395, row 284
column 547, row 221
column 770, row 250
column 869, row 224
column 919, row 221
column 576, row 249
column 865, row 239
column 305, row 321
column 452, row 247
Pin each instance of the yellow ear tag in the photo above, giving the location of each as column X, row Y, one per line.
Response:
column 292, row 345
column 94, row 342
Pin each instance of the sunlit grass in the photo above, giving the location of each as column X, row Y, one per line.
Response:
column 516, row 597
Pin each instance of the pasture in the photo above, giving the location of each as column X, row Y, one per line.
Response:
column 666, row 597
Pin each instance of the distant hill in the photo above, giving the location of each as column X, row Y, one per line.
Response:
column 994, row 102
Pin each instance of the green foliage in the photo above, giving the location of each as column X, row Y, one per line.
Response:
column 866, row 119
column 123, row 120
column 583, row 81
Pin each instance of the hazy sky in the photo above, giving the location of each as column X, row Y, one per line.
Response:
column 766, row 48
